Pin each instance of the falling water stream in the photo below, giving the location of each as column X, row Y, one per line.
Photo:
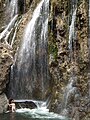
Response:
column 71, row 91
column 12, row 9
column 29, row 78
column 11, row 24
column 30, row 73
column 72, row 29
column 72, row 33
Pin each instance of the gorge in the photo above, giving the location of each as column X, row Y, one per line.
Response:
column 45, row 54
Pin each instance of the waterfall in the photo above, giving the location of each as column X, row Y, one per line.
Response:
column 30, row 72
column 71, row 92
column 72, row 36
column 72, row 29
column 9, row 27
column 13, row 8
column 12, row 22
column 72, row 33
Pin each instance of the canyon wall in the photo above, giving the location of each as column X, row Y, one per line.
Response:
column 64, row 65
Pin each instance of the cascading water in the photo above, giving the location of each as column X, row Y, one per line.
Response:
column 72, row 34
column 71, row 91
column 11, row 13
column 30, row 72
column 12, row 23
column 13, row 8
column 72, row 30
column 8, row 28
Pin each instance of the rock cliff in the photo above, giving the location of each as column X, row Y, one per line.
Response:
column 66, row 73
column 6, row 61
column 68, row 95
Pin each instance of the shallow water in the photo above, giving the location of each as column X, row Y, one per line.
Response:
column 34, row 114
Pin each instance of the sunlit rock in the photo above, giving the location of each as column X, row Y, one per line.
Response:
column 6, row 61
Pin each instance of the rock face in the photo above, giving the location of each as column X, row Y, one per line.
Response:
column 5, row 63
column 2, row 13
column 25, row 104
column 69, row 76
column 3, row 103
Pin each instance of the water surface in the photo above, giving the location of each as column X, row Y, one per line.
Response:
column 34, row 114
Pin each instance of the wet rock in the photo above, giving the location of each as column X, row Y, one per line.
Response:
column 26, row 104
column 66, row 66
column 3, row 4
column 6, row 61
column 3, row 103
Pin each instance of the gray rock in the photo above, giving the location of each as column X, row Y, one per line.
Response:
column 3, row 103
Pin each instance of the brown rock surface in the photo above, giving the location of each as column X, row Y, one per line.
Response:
column 6, row 60
column 63, row 69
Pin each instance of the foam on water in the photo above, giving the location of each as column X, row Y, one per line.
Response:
column 42, row 112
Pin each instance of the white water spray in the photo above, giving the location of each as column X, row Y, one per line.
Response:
column 72, row 29
column 13, row 8
column 9, row 27
column 31, row 67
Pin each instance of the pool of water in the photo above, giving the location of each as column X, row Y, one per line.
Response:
column 34, row 114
